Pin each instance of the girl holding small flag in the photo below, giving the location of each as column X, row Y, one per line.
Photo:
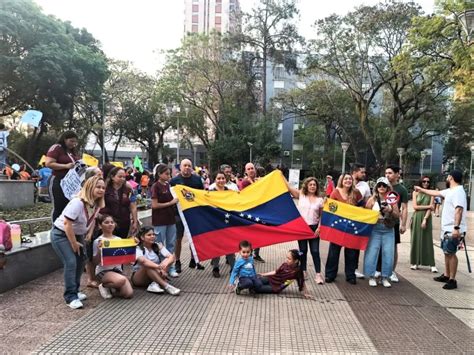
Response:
column 110, row 276
column 152, row 264
column 74, row 225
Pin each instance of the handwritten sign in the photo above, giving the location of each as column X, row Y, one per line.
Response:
column 72, row 182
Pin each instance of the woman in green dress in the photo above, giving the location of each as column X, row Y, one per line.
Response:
column 422, row 252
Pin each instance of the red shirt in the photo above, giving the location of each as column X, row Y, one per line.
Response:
column 57, row 152
column 162, row 216
column 283, row 276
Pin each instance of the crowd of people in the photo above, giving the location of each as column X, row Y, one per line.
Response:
column 105, row 209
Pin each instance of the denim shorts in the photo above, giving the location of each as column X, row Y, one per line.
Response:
column 449, row 244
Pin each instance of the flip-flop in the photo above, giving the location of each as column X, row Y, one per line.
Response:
column 25, row 240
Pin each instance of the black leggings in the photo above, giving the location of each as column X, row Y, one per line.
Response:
column 59, row 200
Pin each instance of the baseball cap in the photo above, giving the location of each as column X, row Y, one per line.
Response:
column 383, row 180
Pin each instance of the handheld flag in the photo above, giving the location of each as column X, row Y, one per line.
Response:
column 32, row 117
column 263, row 213
column 118, row 164
column 118, row 251
column 347, row 225
column 137, row 163
column 89, row 160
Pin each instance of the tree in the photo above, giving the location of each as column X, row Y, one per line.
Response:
column 46, row 64
column 270, row 32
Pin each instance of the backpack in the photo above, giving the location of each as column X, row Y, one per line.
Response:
column 5, row 235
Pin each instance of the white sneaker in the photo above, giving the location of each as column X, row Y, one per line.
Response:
column 413, row 267
column 155, row 288
column 105, row 292
column 372, row 282
column 434, row 269
column 173, row 273
column 377, row 274
column 172, row 290
column 394, row 277
column 81, row 296
column 385, row 283
column 359, row 275
column 76, row 304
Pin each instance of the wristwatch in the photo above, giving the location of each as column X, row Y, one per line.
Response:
column 457, row 228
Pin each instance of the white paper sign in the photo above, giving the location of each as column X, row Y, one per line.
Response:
column 71, row 183
column 294, row 178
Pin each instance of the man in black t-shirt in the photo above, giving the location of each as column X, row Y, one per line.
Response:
column 187, row 178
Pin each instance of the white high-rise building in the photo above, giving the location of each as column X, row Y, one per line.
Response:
column 203, row 16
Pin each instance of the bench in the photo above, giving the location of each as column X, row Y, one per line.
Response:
column 36, row 259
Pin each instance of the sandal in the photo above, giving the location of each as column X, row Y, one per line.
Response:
column 93, row 284
column 25, row 240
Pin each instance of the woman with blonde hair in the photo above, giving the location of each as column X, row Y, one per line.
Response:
column 344, row 192
column 70, row 230
column 310, row 205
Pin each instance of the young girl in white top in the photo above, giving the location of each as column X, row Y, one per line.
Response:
column 110, row 276
column 310, row 205
column 152, row 263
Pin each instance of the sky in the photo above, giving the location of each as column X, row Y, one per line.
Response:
column 140, row 30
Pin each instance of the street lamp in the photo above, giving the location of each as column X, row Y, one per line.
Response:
column 455, row 159
column 250, row 146
column 467, row 21
column 471, row 148
column 344, row 146
column 400, row 152
column 423, row 155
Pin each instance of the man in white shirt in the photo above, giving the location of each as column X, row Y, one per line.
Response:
column 453, row 224
column 358, row 173
column 227, row 170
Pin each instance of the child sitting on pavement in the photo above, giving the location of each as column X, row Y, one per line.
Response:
column 152, row 263
column 244, row 269
column 110, row 276
column 279, row 279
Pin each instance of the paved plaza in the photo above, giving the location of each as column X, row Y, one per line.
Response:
column 414, row 316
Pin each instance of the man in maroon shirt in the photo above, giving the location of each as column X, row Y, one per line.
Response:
column 249, row 179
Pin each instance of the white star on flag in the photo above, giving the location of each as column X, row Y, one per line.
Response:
column 249, row 216
column 227, row 215
column 257, row 219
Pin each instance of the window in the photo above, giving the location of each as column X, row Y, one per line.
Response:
column 196, row 8
column 218, row 28
column 218, row 8
column 194, row 28
column 279, row 84
column 195, row 18
column 218, row 20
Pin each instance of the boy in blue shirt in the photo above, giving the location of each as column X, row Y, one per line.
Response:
column 244, row 269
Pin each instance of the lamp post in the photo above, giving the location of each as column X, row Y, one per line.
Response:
column 467, row 21
column 250, row 146
column 455, row 159
column 400, row 152
column 423, row 155
column 103, row 129
column 471, row 148
column 345, row 147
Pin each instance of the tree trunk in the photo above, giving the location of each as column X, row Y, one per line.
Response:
column 264, row 82
column 363, row 111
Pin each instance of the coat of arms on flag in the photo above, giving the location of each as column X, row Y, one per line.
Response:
column 263, row 213
column 347, row 225
column 117, row 251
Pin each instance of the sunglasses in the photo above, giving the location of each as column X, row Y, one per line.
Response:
column 426, row 181
column 382, row 185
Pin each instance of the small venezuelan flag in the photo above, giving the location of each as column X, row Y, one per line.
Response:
column 118, row 251
column 263, row 213
column 347, row 225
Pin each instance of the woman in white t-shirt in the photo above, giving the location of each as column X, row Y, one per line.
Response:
column 310, row 205
column 152, row 263
column 109, row 276
column 74, row 225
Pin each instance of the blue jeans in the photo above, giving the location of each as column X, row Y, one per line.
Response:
column 253, row 283
column 382, row 239
column 73, row 263
column 167, row 236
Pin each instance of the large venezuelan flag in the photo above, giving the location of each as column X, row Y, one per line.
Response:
column 347, row 225
column 118, row 251
column 263, row 213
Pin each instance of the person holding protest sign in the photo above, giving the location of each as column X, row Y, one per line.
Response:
column 121, row 203
column 344, row 192
column 382, row 238
column 75, row 225
column 61, row 157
